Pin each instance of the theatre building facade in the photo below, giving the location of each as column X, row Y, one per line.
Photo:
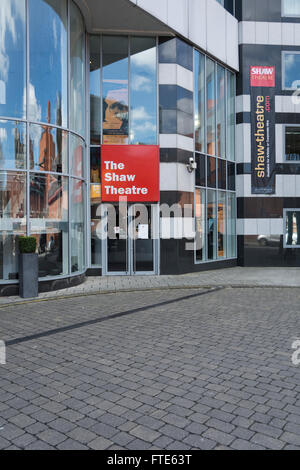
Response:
column 148, row 137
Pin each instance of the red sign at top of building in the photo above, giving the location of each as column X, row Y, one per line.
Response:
column 262, row 76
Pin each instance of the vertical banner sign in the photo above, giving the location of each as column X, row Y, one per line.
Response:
column 262, row 83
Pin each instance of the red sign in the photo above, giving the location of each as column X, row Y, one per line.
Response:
column 262, row 76
column 130, row 171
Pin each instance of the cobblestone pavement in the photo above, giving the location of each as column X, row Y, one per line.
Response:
column 233, row 277
column 175, row 369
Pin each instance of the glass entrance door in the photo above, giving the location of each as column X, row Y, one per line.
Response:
column 131, row 245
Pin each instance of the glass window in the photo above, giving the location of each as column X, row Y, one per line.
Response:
column 222, row 248
column 199, row 101
column 48, row 149
column 221, row 123
column 211, row 107
column 221, row 174
column 96, row 243
column 49, row 222
column 231, row 176
column 12, row 221
column 291, row 70
column 95, row 104
column 143, row 95
column 201, row 170
column 230, row 150
column 200, row 216
column 12, row 145
column 77, row 152
column 115, row 89
column 95, row 165
column 211, row 172
column 231, row 225
column 48, row 61
column 292, row 228
column 292, row 143
column 77, row 225
column 290, row 8
column 77, row 71
column 211, row 225
column 12, row 58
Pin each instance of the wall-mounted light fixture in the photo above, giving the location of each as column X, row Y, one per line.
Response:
column 192, row 165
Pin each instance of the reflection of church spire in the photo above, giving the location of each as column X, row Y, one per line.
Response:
column 19, row 142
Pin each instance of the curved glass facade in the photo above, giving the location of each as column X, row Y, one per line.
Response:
column 42, row 135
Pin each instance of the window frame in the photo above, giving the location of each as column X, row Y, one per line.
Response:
column 285, row 126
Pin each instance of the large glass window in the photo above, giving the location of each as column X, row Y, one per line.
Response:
column 211, row 224
column 12, row 145
column 77, row 62
column 12, row 58
column 200, row 215
column 12, row 221
column 143, row 91
column 211, row 107
column 48, row 73
column 291, row 70
column 222, row 245
column 49, row 222
column 292, row 228
column 199, row 75
column 221, row 123
column 230, row 148
column 231, row 225
column 290, row 8
column 292, row 143
column 77, row 153
column 115, row 89
column 48, row 149
column 77, row 225
column 95, row 104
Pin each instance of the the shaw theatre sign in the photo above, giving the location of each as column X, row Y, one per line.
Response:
column 262, row 83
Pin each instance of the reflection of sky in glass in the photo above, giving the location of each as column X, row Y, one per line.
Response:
column 292, row 70
column 12, row 145
column 48, row 61
column 143, row 96
column 12, row 57
column 48, row 149
column 210, row 87
column 199, row 100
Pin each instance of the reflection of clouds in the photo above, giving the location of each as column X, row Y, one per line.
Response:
column 141, row 83
column 54, row 33
column 10, row 12
column 3, row 134
column 145, row 59
column 35, row 110
column 142, row 121
column 120, row 95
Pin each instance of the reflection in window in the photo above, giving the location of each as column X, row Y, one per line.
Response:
column 143, row 91
column 200, row 224
column 77, row 62
column 95, row 104
column 291, row 67
column 12, row 221
column 49, row 222
column 222, row 224
column 12, row 58
column 292, row 228
column 231, row 225
column 199, row 101
column 95, row 162
column 211, row 107
column 115, row 89
column 292, row 143
column 222, row 174
column 211, row 225
column 77, row 225
column 48, row 149
column 220, row 111
column 290, row 8
column 48, row 61
column 12, row 145
column 211, row 172
column 230, row 116
column 77, row 151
